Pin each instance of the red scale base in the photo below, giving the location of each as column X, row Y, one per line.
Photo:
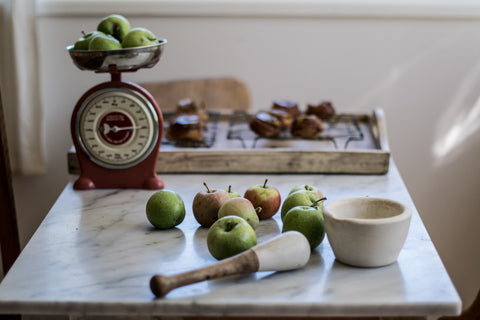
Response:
column 141, row 176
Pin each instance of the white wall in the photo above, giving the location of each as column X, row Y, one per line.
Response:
column 423, row 71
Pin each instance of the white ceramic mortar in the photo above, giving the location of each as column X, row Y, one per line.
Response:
column 366, row 232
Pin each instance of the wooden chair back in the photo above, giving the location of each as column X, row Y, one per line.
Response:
column 216, row 93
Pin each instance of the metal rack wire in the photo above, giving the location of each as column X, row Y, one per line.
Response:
column 341, row 130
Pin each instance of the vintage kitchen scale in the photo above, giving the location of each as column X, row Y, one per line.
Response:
column 117, row 126
column 351, row 144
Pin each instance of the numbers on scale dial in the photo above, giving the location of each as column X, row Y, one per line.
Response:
column 117, row 128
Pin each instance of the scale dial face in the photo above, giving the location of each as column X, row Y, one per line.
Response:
column 117, row 127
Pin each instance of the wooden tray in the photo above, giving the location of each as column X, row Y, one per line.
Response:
column 230, row 147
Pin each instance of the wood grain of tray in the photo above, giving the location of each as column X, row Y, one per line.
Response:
column 370, row 155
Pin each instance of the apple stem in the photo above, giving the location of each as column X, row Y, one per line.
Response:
column 229, row 188
column 265, row 184
column 83, row 33
column 205, row 184
column 258, row 210
column 229, row 226
column 316, row 202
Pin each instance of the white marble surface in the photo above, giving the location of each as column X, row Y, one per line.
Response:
column 95, row 252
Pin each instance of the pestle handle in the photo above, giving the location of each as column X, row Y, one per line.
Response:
column 286, row 251
column 246, row 262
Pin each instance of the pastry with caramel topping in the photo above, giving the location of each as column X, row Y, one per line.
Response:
column 265, row 125
column 323, row 110
column 191, row 107
column 289, row 106
column 283, row 116
column 306, row 126
column 185, row 128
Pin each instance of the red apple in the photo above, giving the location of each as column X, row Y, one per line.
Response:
column 206, row 204
column 264, row 197
column 232, row 194
column 240, row 207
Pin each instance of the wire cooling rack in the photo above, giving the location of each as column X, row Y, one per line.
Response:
column 339, row 131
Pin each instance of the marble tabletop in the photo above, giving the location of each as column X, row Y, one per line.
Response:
column 95, row 253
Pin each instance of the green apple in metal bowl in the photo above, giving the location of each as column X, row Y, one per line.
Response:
column 139, row 37
column 116, row 25
column 83, row 42
column 104, row 42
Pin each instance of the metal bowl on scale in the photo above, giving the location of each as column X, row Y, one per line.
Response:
column 127, row 59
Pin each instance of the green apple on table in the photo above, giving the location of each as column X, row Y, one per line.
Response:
column 307, row 187
column 139, row 37
column 308, row 221
column 165, row 209
column 266, row 198
column 104, row 42
column 230, row 235
column 240, row 207
column 206, row 204
column 116, row 25
column 300, row 198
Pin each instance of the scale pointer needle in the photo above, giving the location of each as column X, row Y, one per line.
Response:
column 106, row 128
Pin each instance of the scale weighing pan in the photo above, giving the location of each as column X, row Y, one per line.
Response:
column 127, row 59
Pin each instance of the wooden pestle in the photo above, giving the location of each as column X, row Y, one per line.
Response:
column 287, row 251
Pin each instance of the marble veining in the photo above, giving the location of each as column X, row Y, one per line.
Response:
column 95, row 252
